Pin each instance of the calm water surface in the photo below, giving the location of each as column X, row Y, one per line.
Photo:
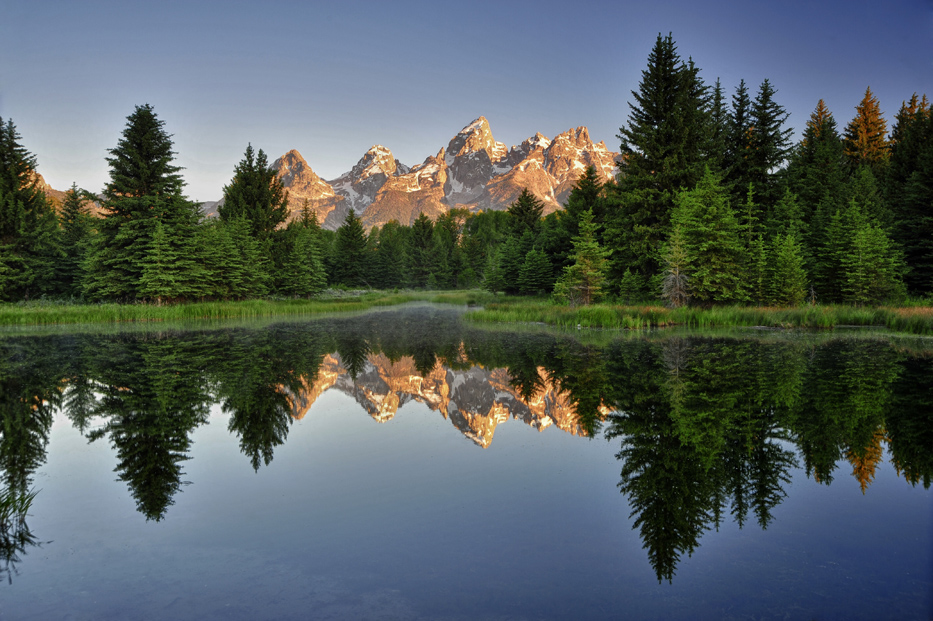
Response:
column 404, row 464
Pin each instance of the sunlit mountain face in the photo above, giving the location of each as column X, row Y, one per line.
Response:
column 348, row 422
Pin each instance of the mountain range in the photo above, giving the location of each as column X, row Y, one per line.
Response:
column 474, row 172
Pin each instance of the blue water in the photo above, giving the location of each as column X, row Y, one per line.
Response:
column 411, row 519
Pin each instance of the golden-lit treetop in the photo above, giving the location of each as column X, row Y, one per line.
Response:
column 866, row 139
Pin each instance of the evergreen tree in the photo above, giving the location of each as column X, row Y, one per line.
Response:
column 391, row 256
column 586, row 194
column 719, row 130
column 909, row 190
column 871, row 267
column 30, row 244
column 631, row 287
column 511, row 255
column 711, row 237
column 303, row 272
column 789, row 278
column 736, row 161
column 525, row 213
column 866, row 141
column 421, row 258
column 816, row 174
column 768, row 144
column 493, row 277
column 760, row 273
column 76, row 224
column 160, row 278
column 582, row 282
column 144, row 189
column 535, row 276
column 675, row 287
column 256, row 193
column 350, row 257
column 662, row 151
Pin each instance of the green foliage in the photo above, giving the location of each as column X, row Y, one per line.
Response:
column 788, row 286
column 525, row 213
column 675, row 288
column 144, row 190
column 768, row 143
column 909, row 191
column 255, row 193
column 711, row 241
column 351, row 260
column 30, row 244
column 871, row 267
column 536, row 275
column 420, row 251
column 582, row 282
column 662, row 151
column 77, row 228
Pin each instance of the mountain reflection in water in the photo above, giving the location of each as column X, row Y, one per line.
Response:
column 708, row 429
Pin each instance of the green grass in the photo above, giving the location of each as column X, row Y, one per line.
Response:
column 45, row 313
column 913, row 319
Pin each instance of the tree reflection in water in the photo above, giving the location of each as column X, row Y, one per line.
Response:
column 707, row 427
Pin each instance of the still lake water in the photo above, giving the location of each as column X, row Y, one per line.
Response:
column 404, row 464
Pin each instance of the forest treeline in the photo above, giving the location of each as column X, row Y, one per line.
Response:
column 712, row 204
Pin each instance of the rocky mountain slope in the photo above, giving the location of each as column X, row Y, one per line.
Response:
column 475, row 401
column 474, row 171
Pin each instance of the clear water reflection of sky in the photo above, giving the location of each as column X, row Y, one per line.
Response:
column 427, row 514
column 332, row 79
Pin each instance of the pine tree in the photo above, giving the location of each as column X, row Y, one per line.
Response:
column 582, row 282
column 420, row 251
column 712, row 241
column 816, row 175
column 789, row 278
column 675, row 286
column 909, row 191
column 303, row 270
column 719, row 130
column 535, row 276
column 760, row 273
column 391, row 256
column 525, row 213
column 866, row 141
column 493, row 276
column 76, row 224
column 662, row 151
column 870, row 266
column 351, row 261
column 768, row 144
column 30, row 241
column 255, row 192
column 144, row 190
column 160, row 279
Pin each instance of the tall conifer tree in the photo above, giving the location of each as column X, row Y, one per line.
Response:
column 662, row 151
column 866, row 139
column 145, row 189
column 30, row 244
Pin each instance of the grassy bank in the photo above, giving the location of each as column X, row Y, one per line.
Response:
column 46, row 313
column 912, row 320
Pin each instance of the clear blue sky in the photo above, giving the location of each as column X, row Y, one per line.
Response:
column 332, row 79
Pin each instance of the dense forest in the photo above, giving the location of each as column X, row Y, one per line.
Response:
column 712, row 204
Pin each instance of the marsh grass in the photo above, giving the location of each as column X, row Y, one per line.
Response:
column 913, row 320
column 49, row 312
